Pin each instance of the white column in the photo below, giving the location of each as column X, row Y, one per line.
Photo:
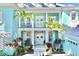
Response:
column 46, row 35
column 19, row 33
column 60, row 21
column 62, row 17
column 19, row 20
column 32, row 21
column 32, row 35
column 32, row 32
column 46, row 28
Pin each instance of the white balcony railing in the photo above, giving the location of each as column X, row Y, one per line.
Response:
column 74, row 23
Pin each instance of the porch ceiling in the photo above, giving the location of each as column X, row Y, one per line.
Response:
column 48, row 6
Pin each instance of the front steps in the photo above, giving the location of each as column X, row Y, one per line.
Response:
column 39, row 49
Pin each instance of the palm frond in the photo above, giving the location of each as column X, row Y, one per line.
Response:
column 51, row 24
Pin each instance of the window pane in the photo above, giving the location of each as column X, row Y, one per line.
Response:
column 73, row 15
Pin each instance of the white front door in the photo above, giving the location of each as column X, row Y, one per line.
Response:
column 39, row 37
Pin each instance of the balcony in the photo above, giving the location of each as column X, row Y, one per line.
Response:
column 25, row 24
column 39, row 25
column 28, row 25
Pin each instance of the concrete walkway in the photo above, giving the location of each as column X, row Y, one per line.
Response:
column 51, row 55
column 39, row 49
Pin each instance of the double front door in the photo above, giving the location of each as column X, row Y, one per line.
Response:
column 39, row 37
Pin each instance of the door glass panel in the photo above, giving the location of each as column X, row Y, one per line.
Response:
column 39, row 21
column 39, row 37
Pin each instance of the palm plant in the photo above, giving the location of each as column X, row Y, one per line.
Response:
column 21, row 14
column 51, row 24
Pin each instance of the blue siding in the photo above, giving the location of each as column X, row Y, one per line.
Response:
column 78, row 50
column 66, row 45
column 66, row 16
column 69, row 45
column 9, row 22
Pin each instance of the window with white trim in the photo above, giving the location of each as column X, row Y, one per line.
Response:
column 74, row 15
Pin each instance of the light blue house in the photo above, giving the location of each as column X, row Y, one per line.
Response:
column 7, row 23
column 34, row 28
column 71, row 20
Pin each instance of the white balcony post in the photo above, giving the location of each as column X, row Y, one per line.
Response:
column 19, row 33
column 46, row 35
column 25, row 21
column 32, row 37
column 60, row 18
column 60, row 21
column 19, row 20
column 32, row 22
column 46, row 28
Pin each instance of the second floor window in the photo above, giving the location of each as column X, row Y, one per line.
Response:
column 73, row 15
